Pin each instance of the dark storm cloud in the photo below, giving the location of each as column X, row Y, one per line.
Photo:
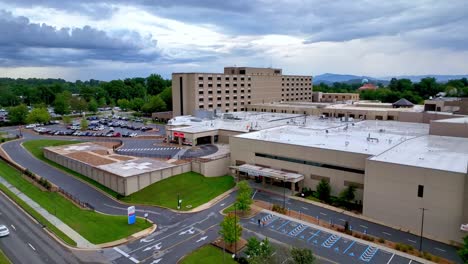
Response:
column 315, row 20
column 27, row 44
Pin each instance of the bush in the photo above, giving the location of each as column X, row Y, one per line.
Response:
column 397, row 246
column 278, row 208
column 368, row 238
column 427, row 256
column 381, row 240
column 356, row 235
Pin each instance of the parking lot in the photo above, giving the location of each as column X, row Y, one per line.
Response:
column 98, row 127
column 327, row 245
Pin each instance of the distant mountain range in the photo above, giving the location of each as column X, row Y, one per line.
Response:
column 330, row 78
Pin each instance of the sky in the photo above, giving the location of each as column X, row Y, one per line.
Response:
column 117, row 39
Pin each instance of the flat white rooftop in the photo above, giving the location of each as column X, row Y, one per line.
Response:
column 434, row 152
column 370, row 137
column 134, row 167
column 459, row 120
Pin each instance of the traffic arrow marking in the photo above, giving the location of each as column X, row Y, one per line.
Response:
column 144, row 240
column 202, row 238
column 156, row 247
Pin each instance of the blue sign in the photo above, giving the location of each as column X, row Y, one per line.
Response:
column 131, row 215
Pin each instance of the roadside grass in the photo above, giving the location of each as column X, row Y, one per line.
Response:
column 194, row 190
column 95, row 227
column 208, row 255
column 35, row 147
column 229, row 209
column 3, row 258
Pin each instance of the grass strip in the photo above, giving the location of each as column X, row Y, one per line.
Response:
column 95, row 227
column 3, row 258
column 208, row 254
column 192, row 188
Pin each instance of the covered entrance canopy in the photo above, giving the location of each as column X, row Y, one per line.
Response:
column 254, row 170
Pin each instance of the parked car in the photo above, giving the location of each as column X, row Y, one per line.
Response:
column 116, row 134
column 144, row 129
column 31, row 126
column 133, row 134
column 4, row 231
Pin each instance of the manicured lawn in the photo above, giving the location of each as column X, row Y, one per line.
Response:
column 3, row 258
column 36, row 146
column 95, row 227
column 194, row 190
column 207, row 255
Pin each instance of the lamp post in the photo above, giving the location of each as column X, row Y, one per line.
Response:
column 235, row 229
column 422, row 228
column 284, row 192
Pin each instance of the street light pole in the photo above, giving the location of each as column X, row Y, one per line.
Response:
column 284, row 192
column 235, row 229
column 422, row 228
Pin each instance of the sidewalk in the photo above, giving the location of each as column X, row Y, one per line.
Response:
column 81, row 242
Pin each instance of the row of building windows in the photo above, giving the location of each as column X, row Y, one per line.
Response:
column 297, row 99
column 218, row 78
column 292, row 94
column 201, row 99
column 298, row 89
column 201, row 85
column 297, row 79
column 297, row 84
column 310, row 163
column 201, row 92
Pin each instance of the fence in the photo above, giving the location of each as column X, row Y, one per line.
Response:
column 75, row 199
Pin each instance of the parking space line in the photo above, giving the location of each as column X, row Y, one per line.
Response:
column 354, row 241
column 388, row 234
column 443, row 250
column 300, row 231
column 314, row 235
column 390, row 260
column 411, row 240
column 341, row 219
column 410, row 261
column 322, row 213
column 363, row 226
column 272, row 221
column 281, row 226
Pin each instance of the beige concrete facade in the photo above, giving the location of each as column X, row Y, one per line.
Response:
column 447, row 104
column 391, row 193
column 454, row 127
column 235, row 89
column 335, row 97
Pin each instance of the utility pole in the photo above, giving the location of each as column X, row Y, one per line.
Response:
column 422, row 228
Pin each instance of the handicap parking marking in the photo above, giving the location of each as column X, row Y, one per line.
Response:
column 369, row 253
column 314, row 235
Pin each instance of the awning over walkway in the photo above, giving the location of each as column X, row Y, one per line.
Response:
column 254, row 170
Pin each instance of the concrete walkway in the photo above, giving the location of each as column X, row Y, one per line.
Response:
column 81, row 242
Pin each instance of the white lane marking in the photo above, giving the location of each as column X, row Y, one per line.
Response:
column 12, row 226
column 156, row 247
column 390, row 260
column 222, row 204
column 32, row 247
column 388, row 234
column 341, row 219
column 121, row 252
column 410, row 261
column 411, row 240
column 134, row 260
column 156, row 261
column 363, row 226
column 202, row 238
column 305, row 208
column 144, row 240
column 443, row 250
column 322, row 213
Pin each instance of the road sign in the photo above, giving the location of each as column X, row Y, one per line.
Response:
column 464, row 227
column 131, row 215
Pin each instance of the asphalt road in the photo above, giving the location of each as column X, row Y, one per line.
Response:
column 171, row 224
column 357, row 224
column 29, row 243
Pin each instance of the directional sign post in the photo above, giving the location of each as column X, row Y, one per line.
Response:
column 131, row 215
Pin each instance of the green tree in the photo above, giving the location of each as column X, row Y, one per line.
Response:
column 84, row 124
column 102, row 102
column 302, row 256
column 323, row 191
column 231, row 230
column 155, row 104
column 18, row 114
column 259, row 251
column 62, row 103
column 124, row 104
column 244, row 196
column 93, row 105
column 66, row 120
column 78, row 104
column 166, row 96
column 38, row 115
column 348, row 193
column 155, row 84
column 463, row 252
column 136, row 104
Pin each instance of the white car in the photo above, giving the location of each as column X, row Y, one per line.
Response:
column 4, row 231
column 31, row 126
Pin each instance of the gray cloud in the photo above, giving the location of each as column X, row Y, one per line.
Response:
column 25, row 44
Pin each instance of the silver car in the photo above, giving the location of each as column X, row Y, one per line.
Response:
column 4, row 231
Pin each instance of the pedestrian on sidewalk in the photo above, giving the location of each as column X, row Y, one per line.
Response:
column 258, row 222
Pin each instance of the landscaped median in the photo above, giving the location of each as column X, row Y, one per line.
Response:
column 3, row 258
column 208, row 255
column 192, row 188
column 95, row 227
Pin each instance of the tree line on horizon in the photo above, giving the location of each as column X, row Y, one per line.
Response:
column 416, row 92
column 145, row 95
